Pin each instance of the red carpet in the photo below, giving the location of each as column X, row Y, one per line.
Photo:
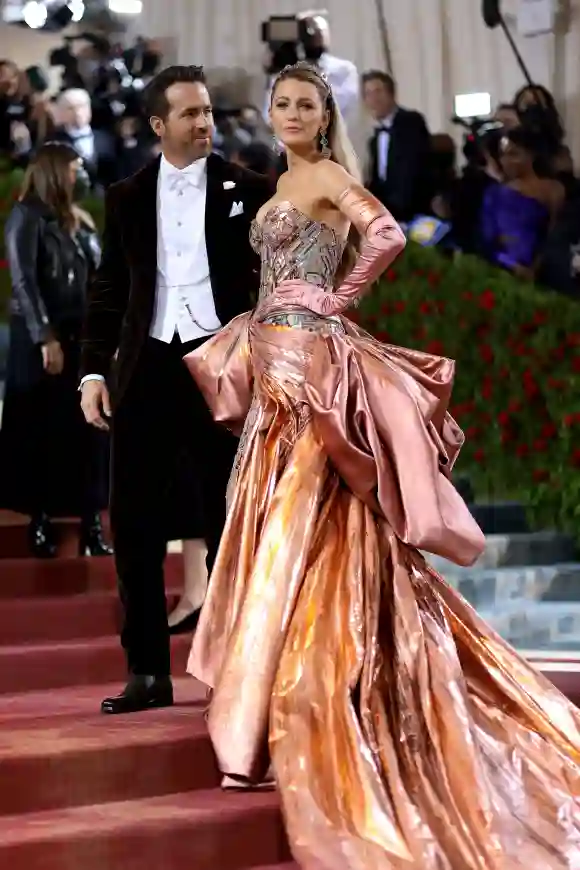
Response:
column 82, row 791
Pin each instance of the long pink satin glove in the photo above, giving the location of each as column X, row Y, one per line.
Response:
column 383, row 242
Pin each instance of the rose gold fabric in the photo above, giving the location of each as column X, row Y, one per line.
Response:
column 224, row 374
column 403, row 733
column 382, row 242
column 372, row 406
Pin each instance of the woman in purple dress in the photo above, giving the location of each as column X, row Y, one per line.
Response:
column 517, row 212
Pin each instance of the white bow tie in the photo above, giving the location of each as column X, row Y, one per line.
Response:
column 180, row 180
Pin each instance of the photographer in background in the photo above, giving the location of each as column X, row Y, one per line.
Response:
column 100, row 109
column 96, row 148
column 25, row 121
column 15, row 112
column 134, row 146
column 306, row 36
column 462, row 202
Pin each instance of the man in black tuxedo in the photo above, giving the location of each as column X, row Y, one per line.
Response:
column 399, row 150
column 176, row 266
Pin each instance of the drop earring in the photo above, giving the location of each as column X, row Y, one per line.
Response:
column 324, row 149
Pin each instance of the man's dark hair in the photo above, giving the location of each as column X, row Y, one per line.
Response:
column 156, row 91
column 373, row 75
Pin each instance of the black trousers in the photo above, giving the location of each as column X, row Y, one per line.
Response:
column 168, row 458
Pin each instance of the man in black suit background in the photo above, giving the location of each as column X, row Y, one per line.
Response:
column 96, row 148
column 177, row 265
column 399, row 150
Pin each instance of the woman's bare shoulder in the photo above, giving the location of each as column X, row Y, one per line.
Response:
column 332, row 174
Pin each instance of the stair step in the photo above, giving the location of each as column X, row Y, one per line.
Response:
column 30, row 667
column 14, row 536
column 287, row 866
column 561, row 667
column 498, row 587
column 21, row 578
column 501, row 518
column 44, row 620
column 539, row 625
column 208, row 830
column 76, row 756
column 82, row 701
column 529, row 549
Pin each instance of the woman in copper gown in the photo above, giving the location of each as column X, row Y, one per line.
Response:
column 403, row 734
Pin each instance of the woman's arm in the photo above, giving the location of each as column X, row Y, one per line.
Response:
column 22, row 238
column 382, row 242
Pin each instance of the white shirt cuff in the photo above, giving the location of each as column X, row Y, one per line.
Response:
column 91, row 378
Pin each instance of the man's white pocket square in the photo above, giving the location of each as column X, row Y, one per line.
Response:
column 229, row 185
column 237, row 208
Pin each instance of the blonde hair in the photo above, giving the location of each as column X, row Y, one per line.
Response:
column 340, row 147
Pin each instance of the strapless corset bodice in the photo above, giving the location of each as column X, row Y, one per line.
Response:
column 292, row 245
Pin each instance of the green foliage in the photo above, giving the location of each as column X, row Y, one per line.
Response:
column 517, row 383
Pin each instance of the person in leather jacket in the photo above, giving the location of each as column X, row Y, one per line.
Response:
column 51, row 463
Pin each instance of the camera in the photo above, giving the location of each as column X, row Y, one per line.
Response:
column 482, row 137
column 291, row 38
column 63, row 56
column 114, row 78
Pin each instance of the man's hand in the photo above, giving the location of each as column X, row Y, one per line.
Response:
column 95, row 403
column 52, row 357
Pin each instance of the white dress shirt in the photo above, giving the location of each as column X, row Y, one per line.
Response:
column 383, row 129
column 184, row 302
column 83, row 139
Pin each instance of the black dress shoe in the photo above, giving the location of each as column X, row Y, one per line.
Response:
column 141, row 693
column 187, row 624
column 92, row 541
column 41, row 537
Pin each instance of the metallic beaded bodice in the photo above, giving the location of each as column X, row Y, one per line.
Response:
column 292, row 245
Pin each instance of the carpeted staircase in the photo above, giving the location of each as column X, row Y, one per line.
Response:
column 81, row 791
column 526, row 584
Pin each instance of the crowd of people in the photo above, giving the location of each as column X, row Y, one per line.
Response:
column 515, row 203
